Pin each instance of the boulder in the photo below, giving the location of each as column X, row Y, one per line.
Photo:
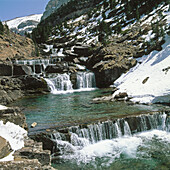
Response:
column 33, row 84
column 105, row 78
column 5, row 148
column 5, row 69
column 83, row 50
column 22, row 70
column 121, row 95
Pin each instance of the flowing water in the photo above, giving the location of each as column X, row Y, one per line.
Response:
column 97, row 136
column 74, row 108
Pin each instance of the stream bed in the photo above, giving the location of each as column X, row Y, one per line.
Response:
column 145, row 150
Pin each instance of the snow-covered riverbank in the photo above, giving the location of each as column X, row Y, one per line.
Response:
column 148, row 82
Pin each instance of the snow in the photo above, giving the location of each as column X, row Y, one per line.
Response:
column 149, row 36
column 77, row 19
column 14, row 134
column 15, row 22
column 158, row 83
column 3, row 107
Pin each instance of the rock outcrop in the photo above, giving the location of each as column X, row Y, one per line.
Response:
column 14, row 115
column 5, row 148
column 12, row 88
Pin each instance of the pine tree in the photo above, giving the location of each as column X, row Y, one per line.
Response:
column 1, row 28
column 137, row 14
column 103, row 15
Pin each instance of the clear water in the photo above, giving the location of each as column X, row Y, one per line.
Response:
column 68, row 109
column 147, row 150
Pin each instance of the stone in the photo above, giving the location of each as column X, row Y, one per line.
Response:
column 5, row 69
column 33, row 84
column 5, row 148
column 121, row 95
column 33, row 124
column 14, row 115
column 145, row 80
column 105, row 78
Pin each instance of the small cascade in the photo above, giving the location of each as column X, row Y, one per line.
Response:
column 38, row 65
column 85, row 80
column 82, row 136
column 59, row 83
column 127, row 131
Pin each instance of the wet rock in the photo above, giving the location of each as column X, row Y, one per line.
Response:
column 45, row 138
column 35, row 84
column 5, row 148
column 22, row 70
column 33, row 124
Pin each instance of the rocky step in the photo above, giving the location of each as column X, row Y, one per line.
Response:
column 33, row 150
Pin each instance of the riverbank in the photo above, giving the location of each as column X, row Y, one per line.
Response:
column 17, row 149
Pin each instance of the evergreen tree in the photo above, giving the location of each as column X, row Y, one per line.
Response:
column 1, row 28
column 103, row 15
column 137, row 14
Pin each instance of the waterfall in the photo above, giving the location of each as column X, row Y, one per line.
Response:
column 60, row 83
column 85, row 80
column 38, row 65
column 81, row 136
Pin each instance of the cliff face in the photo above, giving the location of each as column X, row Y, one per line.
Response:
column 52, row 6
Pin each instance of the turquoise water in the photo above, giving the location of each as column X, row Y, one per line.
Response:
column 144, row 151
column 74, row 108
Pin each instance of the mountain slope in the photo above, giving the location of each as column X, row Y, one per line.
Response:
column 24, row 24
column 108, row 38
column 148, row 82
column 15, row 46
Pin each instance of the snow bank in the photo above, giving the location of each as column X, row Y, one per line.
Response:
column 148, row 81
column 14, row 134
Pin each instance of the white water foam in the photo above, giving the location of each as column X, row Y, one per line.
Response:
column 109, row 150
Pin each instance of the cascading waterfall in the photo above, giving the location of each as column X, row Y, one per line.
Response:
column 60, row 83
column 41, row 63
column 112, row 133
column 85, row 80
